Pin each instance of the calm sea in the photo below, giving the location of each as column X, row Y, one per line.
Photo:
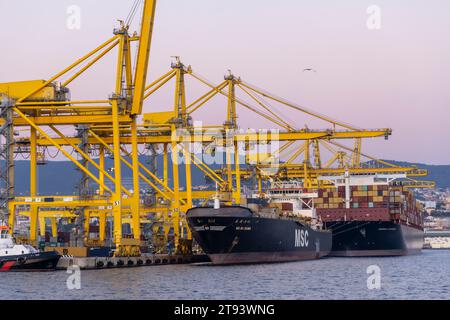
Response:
column 425, row 276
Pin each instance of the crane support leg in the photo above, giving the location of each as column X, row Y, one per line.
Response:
column 176, row 200
column 117, row 196
column 136, row 200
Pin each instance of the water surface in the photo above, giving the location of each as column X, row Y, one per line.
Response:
column 425, row 276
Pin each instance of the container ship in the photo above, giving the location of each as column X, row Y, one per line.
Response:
column 371, row 216
column 278, row 226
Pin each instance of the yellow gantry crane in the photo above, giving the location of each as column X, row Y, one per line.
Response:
column 39, row 104
column 113, row 128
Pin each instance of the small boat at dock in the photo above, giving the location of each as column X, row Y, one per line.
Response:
column 23, row 257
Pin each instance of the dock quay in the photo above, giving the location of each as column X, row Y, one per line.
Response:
column 91, row 263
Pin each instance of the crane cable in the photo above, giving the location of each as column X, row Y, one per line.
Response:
column 281, row 115
column 132, row 13
column 136, row 54
column 142, row 153
column 299, row 107
column 242, row 102
column 54, row 155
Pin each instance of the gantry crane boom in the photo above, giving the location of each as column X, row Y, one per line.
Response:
column 145, row 41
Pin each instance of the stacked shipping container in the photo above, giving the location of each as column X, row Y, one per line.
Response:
column 369, row 203
column 376, row 196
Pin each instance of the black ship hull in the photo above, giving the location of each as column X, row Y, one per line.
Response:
column 374, row 238
column 234, row 235
column 42, row 261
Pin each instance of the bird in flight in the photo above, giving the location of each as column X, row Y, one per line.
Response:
column 309, row 70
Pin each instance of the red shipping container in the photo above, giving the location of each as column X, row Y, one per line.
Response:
column 369, row 214
column 94, row 229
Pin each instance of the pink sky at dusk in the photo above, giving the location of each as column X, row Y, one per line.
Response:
column 396, row 77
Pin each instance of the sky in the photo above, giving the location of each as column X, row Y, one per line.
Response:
column 393, row 77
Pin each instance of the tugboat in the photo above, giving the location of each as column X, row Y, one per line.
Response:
column 278, row 226
column 15, row 257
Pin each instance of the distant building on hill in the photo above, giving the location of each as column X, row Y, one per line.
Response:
column 430, row 206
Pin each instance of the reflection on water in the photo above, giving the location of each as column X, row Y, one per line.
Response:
column 425, row 276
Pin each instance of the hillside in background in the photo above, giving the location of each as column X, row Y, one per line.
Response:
column 62, row 177
column 438, row 173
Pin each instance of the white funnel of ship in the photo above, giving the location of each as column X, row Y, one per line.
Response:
column 217, row 199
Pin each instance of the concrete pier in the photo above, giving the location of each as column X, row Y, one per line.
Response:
column 90, row 263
